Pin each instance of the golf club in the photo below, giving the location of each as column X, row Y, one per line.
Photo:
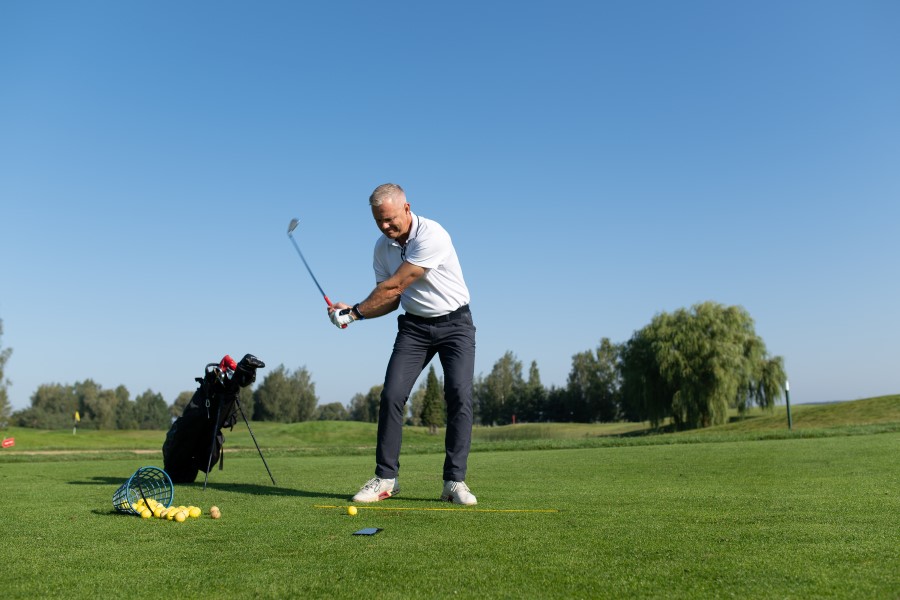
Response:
column 291, row 227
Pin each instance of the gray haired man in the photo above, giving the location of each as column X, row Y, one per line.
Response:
column 416, row 267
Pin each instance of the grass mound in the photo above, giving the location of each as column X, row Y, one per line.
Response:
column 350, row 438
column 869, row 411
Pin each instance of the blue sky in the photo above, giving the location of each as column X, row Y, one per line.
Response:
column 595, row 162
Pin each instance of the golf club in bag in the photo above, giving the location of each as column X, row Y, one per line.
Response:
column 194, row 441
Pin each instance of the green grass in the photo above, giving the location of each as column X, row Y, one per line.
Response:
column 863, row 417
column 789, row 518
column 871, row 411
column 328, row 437
column 813, row 513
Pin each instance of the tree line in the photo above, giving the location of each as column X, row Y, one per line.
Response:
column 688, row 367
column 5, row 408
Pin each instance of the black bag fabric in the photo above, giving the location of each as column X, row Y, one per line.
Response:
column 194, row 441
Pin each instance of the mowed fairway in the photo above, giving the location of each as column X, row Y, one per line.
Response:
column 785, row 518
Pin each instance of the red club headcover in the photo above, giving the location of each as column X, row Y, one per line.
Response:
column 228, row 363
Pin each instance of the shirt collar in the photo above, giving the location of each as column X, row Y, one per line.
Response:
column 413, row 230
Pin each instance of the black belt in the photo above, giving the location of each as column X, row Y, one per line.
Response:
column 456, row 314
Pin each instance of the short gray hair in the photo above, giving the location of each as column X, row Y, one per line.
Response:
column 386, row 191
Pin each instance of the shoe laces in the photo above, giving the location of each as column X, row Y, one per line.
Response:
column 459, row 486
column 373, row 484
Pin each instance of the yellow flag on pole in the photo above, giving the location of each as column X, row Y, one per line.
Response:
column 77, row 417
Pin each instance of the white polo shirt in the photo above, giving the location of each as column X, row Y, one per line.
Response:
column 442, row 289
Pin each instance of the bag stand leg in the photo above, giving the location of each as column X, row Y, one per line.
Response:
column 241, row 409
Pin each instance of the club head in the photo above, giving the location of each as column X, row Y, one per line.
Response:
column 293, row 226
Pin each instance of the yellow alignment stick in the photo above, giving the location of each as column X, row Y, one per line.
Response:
column 494, row 510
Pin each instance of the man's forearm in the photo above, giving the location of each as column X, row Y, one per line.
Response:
column 384, row 299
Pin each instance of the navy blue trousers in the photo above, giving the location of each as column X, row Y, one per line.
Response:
column 418, row 340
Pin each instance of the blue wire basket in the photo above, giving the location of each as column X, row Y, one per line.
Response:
column 147, row 483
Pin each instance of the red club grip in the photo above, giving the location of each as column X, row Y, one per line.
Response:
column 328, row 302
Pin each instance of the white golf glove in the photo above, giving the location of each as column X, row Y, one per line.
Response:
column 341, row 318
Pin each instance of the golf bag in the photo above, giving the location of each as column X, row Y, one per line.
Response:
column 194, row 442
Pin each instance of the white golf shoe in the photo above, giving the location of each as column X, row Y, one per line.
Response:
column 377, row 489
column 458, row 492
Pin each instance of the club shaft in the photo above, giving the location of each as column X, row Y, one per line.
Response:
column 306, row 264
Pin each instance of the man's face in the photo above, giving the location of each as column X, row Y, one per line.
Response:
column 393, row 219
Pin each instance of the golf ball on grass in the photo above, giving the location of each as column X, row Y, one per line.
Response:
column 172, row 513
column 351, row 510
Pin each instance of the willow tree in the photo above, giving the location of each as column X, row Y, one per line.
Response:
column 693, row 365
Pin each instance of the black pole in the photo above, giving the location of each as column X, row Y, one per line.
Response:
column 240, row 408
column 787, row 399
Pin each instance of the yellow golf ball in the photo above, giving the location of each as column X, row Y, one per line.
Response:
column 351, row 510
column 146, row 514
column 194, row 512
column 214, row 512
column 180, row 516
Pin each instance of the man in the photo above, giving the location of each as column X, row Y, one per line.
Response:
column 416, row 267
